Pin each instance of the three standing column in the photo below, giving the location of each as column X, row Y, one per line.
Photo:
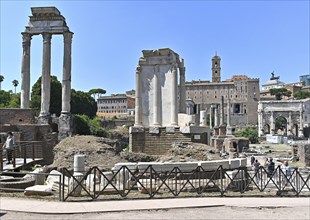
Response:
column 66, row 77
column 174, row 120
column 25, row 86
column 138, row 109
column 156, row 97
column 46, row 78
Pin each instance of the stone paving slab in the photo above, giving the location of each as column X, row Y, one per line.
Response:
column 56, row 207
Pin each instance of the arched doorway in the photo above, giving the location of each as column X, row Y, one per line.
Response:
column 280, row 126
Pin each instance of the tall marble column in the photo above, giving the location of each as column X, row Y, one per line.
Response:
column 46, row 79
column 228, row 127
column 216, row 124
column 301, row 119
column 182, row 88
column 211, row 115
column 156, row 97
column 272, row 124
column 174, row 94
column 138, row 108
column 25, row 86
column 66, row 77
column 65, row 119
column 222, row 111
column 289, row 125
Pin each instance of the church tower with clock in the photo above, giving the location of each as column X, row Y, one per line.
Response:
column 216, row 69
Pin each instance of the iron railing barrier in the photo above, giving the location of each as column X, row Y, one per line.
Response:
column 152, row 181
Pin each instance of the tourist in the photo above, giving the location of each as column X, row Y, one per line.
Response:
column 270, row 168
column 9, row 146
column 286, row 171
column 256, row 170
column 252, row 160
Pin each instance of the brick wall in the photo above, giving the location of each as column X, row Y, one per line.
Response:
column 16, row 116
column 158, row 144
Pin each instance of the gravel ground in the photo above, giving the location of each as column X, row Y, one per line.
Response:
column 218, row 213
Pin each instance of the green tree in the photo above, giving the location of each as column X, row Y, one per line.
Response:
column 55, row 100
column 280, row 92
column 250, row 133
column 5, row 98
column 302, row 94
column 88, row 126
column 15, row 101
column 97, row 92
column 83, row 103
column 1, row 80
column 15, row 84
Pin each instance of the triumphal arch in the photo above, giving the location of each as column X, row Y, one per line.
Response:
column 283, row 117
column 47, row 21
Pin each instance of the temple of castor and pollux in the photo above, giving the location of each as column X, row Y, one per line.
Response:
column 163, row 114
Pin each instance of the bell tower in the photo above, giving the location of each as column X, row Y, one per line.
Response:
column 216, row 69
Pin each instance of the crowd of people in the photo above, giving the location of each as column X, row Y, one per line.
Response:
column 284, row 171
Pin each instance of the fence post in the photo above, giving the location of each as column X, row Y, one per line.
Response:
column 14, row 157
column 24, row 152
column 1, row 158
column 33, row 153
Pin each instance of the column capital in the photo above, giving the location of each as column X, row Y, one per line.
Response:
column 68, row 37
column 46, row 37
column 26, row 37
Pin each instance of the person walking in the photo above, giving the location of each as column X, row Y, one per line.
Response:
column 252, row 160
column 287, row 172
column 9, row 146
column 256, row 170
column 270, row 167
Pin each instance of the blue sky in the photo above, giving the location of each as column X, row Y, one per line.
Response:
column 252, row 38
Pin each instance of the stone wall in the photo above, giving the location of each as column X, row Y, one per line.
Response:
column 29, row 136
column 16, row 116
column 303, row 152
column 158, row 141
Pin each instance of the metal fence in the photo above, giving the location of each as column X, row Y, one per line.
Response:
column 151, row 182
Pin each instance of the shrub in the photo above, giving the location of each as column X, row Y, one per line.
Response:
column 250, row 133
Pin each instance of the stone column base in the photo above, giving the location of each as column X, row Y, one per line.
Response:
column 44, row 119
column 65, row 126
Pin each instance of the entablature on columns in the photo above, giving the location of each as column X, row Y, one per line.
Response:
column 46, row 20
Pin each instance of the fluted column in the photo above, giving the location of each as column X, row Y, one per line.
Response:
column 25, row 86
column 211, row 114
column 222, row 111
column 174, row 94
column 182, row 105
column 66, row 77
column 272, row 125
column 215, row 117
column 156, row 96
column 138, row 108
column 46, row 75
column 228, row 127
column 301, row 126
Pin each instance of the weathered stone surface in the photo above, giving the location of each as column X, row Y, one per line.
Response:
column 154, row 130
column 170, row 130
column 136, row 129
column 40, row 190
column 53, row 177
column 214, row 164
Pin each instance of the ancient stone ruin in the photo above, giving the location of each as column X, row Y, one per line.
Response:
column 47, row 21
column 161, row 116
